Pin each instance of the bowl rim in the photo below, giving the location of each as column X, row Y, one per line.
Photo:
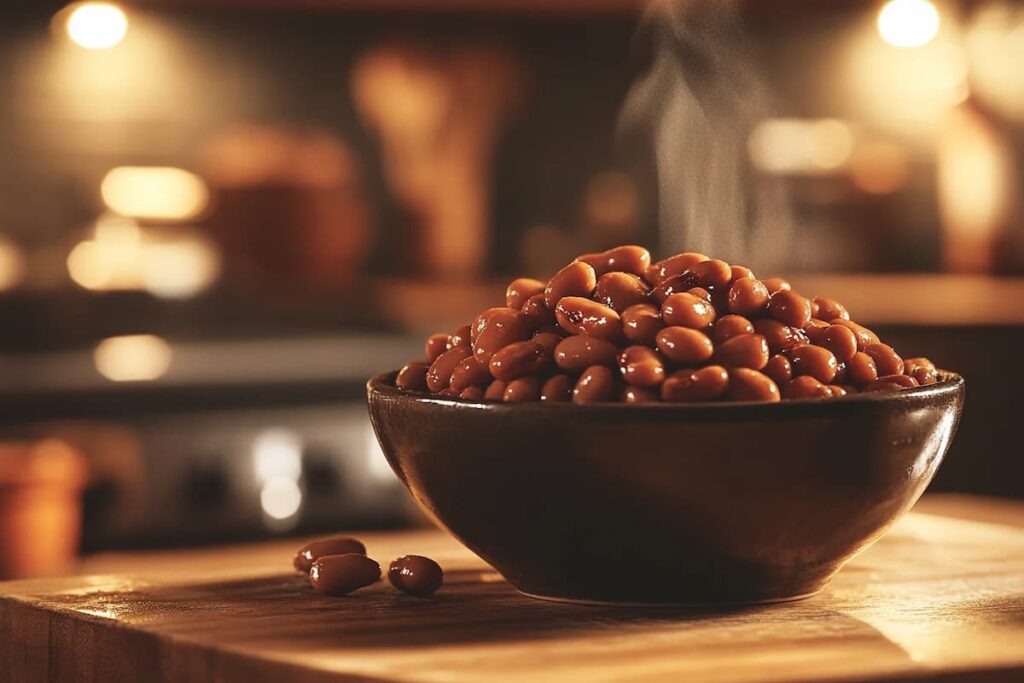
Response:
column 949, row 384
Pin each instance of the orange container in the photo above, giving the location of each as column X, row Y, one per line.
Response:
column 40, row 507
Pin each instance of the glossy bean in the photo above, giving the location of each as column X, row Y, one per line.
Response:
column 686, row 310
column 413, row 376
column 472, row 394
column 911, row 364
column 780, row 337
column 459, row 337
column 641, row 366
column 480, row 321
column 577, row 315
column 502, row 327
column 626, row 259
column 495, row 391
column 436, row 345
column 815, row 329
column 706, row 384
column 469, row 372
column 729, row 326
column 740, row 272
column 517, row 360
column 779, row 369
column 891, row 383
column 634, row 394
column 776, row 284
column 537, row 312
column 922, row 370
column 641, row 323
column 619, row 291
column 815, row 361
column 700, row 293
column 341, row 574
column 557, row 389
column 683, row 345
column 789, row 308
column 861, row 369
column 440, row 373
column 863, row 334
column 549, row 341
column 840, row 340
column 713, row 273
column 576, row 279
column 805, row 386
column 596, row 385
column 886, row 359
column 675, row 285
column 830, row 309
column 416, row 575
column 520, row 290
column 335, row 545
column 672, row 266
column 522, row 390
column 750, row 385
column 743, row 351
column 579, row 352
column 840, row 377
column 748, row 297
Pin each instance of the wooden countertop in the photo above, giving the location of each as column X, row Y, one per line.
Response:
column 941, row 597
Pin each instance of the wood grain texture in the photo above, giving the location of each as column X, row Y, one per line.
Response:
column 941, row 597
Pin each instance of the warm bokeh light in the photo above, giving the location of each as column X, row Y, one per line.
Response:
column 109, row 261
column 154, row 192
column 904, row 92
column 800, row 146
column 879, row 168
column 179, row 269
column 977, row 183
column 829, row 143
column 610, row 198
column 96, row 25
column 280, row 498
column 12, row 264
column 376, row 462
column 123, row 256
column 277, row 453
column 908, row 23
column 133, row 358
column 995, row 43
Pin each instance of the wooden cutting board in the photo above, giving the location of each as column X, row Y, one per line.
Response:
column 941, row 597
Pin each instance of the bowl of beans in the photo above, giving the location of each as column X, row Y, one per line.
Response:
column 676, row 432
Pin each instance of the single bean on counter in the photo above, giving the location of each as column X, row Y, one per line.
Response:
column 416, row 575
column 336, row 545
column 612, row 326
column 342, row 574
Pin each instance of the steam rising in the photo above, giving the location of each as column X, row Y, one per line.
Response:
column 693, row 110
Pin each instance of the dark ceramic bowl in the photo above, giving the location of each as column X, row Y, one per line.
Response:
column 668, row 503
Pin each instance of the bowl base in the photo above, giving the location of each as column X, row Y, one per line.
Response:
column 693, row 605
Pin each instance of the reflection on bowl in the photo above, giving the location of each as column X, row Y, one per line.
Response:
column 668, row 503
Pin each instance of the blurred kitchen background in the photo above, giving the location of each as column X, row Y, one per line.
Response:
column 218, row 218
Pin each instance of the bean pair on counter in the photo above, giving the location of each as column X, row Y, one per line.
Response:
column 613, row 327
column 339, row 565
